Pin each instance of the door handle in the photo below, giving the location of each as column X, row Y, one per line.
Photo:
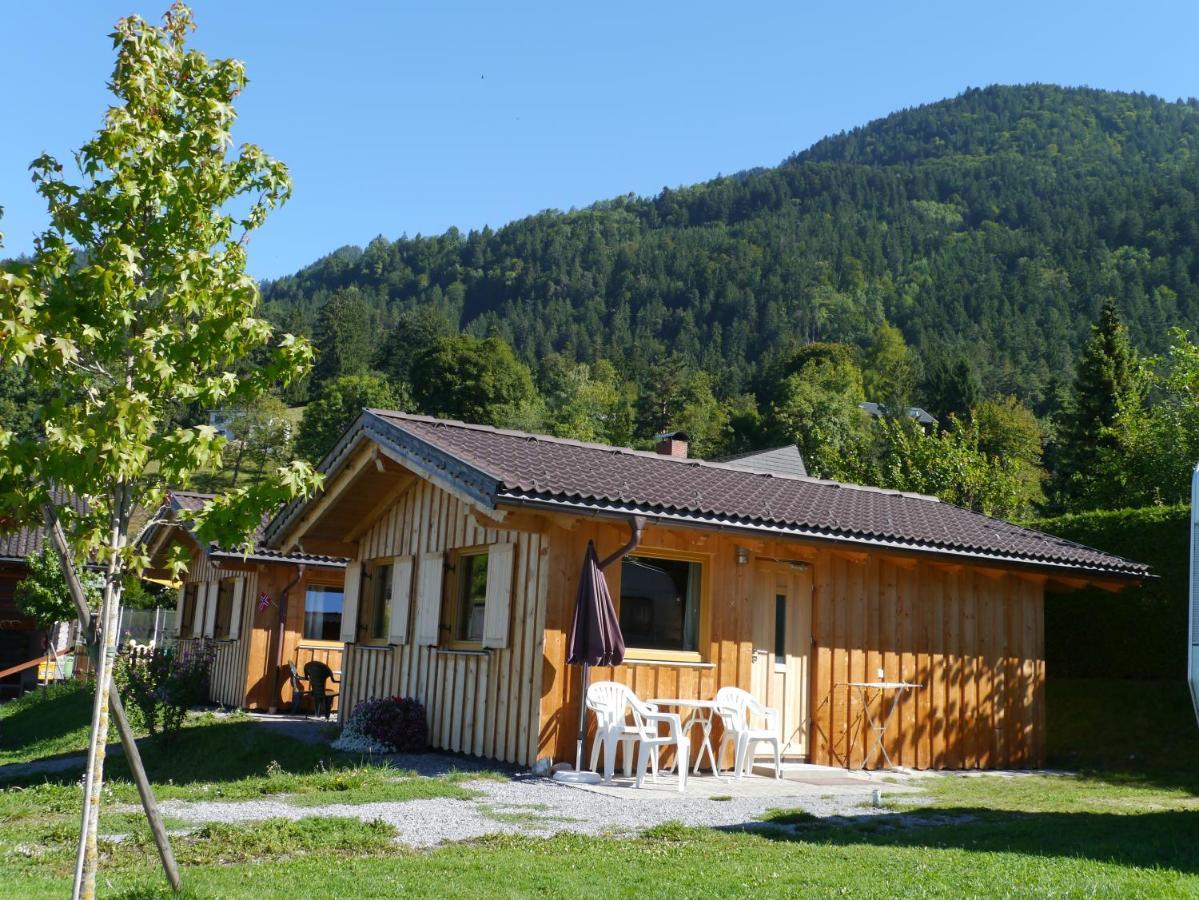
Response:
column 756, row 651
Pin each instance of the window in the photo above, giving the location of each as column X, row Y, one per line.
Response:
column 224, row 609
column 659, row 603
column 322, row 613
column 472, row 597
column 375, row 606
column 188, row 613
column 780, row 630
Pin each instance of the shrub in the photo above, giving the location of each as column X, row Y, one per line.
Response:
column 1141, row 632
column 386, row 725
column 163, row 684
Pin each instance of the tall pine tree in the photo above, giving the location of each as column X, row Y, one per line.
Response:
column 1105, row 381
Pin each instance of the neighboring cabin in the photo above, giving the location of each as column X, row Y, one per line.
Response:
column 22, row 640
column 257, row 612
column 467, row 543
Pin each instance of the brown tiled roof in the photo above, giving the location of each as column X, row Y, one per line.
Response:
column 516, row 467
column 21, row 543
column 193, row 500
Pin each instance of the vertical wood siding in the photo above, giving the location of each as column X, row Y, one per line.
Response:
column 484, row 703
column 227, row 685
column 973, row 637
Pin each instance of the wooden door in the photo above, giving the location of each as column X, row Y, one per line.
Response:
column 782, row 644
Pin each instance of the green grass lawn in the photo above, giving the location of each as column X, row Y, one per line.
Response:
column 1125, row 824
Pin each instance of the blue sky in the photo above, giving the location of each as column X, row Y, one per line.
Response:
column 408, row 118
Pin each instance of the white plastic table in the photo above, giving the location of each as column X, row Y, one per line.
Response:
column 701, row 715
column 880, row 728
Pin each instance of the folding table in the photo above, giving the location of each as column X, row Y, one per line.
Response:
column 879, row 729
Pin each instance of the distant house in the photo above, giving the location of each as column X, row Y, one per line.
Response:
column 923, row 418
column 779, row 461
column 258, row 612
column 466, row 544
column 222, row 422
column 21, row 639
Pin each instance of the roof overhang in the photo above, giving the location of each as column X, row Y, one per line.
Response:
column 364, row 474
column 1065, row 575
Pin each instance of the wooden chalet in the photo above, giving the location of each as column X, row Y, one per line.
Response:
column 22, row 641
column 257, row 612
column 467, row 543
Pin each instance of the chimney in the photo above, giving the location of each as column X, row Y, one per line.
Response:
column 672, row 443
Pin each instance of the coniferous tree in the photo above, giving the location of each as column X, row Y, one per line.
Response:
column 343, row 336
column 951, row 386
column 1105, row 382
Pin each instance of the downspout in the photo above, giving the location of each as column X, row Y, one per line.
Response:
column 636, row 526
column 280, row 635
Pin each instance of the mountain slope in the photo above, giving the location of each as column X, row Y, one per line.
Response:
column 993, row 222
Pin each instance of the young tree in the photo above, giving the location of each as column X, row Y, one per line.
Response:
column 337, row 404
column 1105, row 382
column 136, row 298
column 43, row 596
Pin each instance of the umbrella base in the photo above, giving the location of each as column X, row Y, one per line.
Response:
column 572, row 777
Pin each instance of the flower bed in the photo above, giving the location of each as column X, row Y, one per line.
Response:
column 385, row 725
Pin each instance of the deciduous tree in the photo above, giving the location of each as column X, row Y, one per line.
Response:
column 136, row 298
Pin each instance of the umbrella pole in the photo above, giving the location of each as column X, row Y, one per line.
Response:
column 582, row 719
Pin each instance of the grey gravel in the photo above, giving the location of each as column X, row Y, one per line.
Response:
column 533, row 806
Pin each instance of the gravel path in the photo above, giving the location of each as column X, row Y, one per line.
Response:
column 535, row 806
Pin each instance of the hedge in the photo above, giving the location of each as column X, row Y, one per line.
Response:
column 1140, row 632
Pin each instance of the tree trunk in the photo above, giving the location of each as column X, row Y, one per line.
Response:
column 128, row 743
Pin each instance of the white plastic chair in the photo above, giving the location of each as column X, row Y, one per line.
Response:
column 612, row 703
column 736, row 709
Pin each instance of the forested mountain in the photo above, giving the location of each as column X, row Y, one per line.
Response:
column 989, row 226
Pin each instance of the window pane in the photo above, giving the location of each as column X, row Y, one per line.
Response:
column 322, row 613
column 472, row 596
column 189, row 609
column 381, row 578
column 224, row 608
column 780, row 628
column 659, row 603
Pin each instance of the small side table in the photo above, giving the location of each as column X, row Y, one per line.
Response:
column 701, row 715
column 879, row 728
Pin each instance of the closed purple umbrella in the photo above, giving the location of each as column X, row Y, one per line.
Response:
column 595, row 638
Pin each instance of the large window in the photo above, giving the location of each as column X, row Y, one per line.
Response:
column 374, row 609
column 224, row 609
column 471, row 597
column 191, row 591
column 659, row 603
column 322, row 613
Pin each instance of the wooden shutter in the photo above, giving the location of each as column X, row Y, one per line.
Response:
column 496, row 614
column 179, row 609
column 214, row 588
column 428, row 599
column 349, row 603
column 239, row 590
column 198, row 609
column 401, row 599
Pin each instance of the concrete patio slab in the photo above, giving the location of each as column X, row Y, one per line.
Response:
column 799, row 781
